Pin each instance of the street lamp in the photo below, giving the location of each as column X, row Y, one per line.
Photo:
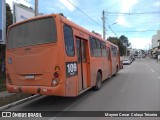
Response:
column 111, row 28
column 114, row 23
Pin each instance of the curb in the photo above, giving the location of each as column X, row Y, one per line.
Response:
column 18, row 102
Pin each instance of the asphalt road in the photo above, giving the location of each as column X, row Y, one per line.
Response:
column 135, row 88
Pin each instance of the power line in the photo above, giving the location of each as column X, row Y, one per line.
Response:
column 85, row 13
column 130, row 13
column 107, row 31
column 90, row 17
column 109, row 26
column 112, row 31
column 138, row 31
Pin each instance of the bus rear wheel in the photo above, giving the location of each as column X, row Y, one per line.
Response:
column 117, row 70
column 98, row 82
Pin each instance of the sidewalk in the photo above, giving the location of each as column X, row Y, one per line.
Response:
column 4, row 94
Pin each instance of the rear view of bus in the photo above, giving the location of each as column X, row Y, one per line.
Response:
column 32, row 62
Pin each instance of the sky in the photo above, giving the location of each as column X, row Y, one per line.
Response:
column 140, row 21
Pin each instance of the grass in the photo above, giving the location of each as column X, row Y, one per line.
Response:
column 12, row 98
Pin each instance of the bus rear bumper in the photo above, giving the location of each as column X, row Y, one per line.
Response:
column 58, row 90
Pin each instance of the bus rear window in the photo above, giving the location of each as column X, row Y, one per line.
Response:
column 34, row 32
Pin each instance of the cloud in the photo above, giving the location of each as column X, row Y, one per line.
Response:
column 156, row 4
column 49, row 8
column 57, row 7
column 121, row 20
column 140, row 29
column 68, row 5
column 69, row 18
column 24, row 2
column 140, row 43
column 126, row 6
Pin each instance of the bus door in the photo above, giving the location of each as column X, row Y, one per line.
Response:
column 81, row 46
column 109, row 61
column 114, row 61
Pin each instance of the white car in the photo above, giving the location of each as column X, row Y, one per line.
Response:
column 126, row 62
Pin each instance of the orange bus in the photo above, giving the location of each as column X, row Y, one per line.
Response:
column 50, row 55
column 114, row 58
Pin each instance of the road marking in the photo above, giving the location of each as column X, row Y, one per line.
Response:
column 152, row 70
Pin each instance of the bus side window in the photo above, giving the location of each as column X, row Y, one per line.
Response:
column 116, row 52
column 78, row 50
column 83, row 45
column 113, row 51
column 108, row 51
column 98, row 49
column 69, row 41
column 103, row 49
column 91, row 45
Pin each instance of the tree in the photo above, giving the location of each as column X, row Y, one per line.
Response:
column 113, row 40
column 62, row 15
column 118, row 42
column 96, row 33
column 124, row 40
column 9, row 18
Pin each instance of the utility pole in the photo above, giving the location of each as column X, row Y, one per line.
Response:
column 104, row 26
column 36, row 7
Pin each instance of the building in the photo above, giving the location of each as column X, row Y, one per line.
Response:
column 155, row 39
column 22, row 12
column 158, row 42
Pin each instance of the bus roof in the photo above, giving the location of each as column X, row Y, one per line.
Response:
column 30, row 19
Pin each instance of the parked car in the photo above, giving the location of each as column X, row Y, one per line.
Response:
column 126, row 62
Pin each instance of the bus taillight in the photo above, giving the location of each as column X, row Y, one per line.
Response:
column 55, row 82
column 56, row 75
column 57, row 68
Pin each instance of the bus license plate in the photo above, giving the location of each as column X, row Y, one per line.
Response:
column 29, row 77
